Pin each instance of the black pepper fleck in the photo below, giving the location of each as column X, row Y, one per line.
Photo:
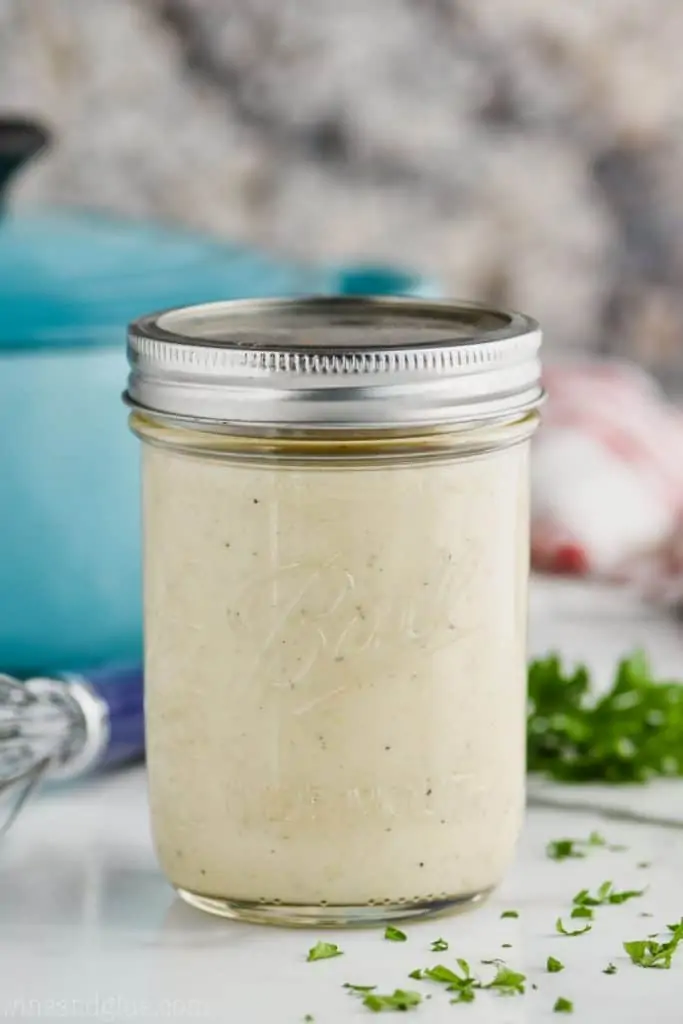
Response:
column 202, row 871
column 422, row 863
column 256, row 501
column 429, row 792
column 387, row 748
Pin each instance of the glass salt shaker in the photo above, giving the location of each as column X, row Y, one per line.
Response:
column 336, row 518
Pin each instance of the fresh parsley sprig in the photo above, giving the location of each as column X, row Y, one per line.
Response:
column 631, row 734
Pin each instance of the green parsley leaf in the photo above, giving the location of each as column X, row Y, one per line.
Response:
column 559, row 926
column 605, row 895
column 563, row 849
column 650, row 953
column 507, row 981
column 465, row 995
column 398, row 1000
column 394, row 934
column 563, row 1006
column 644, row 864
column 444, row 975
column 417, row 974
column 506, row 945
column 464, row 984
column 309, row 1018
column 582, row 912
column 324, row 951
column 359, row 988
column 554, row 966
column 439, row 946
column 627, row 894
column 632, row 733
column 510, row 913
column 610, row 969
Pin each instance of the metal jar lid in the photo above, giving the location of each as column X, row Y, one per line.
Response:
column 333, row 363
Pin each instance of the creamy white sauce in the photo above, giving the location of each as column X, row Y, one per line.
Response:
column 335, row 671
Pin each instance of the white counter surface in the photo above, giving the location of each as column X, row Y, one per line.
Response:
column 89, row 930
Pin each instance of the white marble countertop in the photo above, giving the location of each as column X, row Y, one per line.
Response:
column 90, row 931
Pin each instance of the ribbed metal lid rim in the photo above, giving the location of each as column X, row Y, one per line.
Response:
column 210, row 379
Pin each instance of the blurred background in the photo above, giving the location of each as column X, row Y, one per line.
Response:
column 520, row 152
column 524, row 153
column 527, row 153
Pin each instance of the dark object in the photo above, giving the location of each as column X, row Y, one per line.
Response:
column 20, row 140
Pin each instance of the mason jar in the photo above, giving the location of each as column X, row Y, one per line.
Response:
column 336, row 517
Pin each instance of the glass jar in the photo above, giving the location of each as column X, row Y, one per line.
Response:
column 336, row 561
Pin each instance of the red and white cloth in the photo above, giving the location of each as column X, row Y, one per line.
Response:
column 607, row 478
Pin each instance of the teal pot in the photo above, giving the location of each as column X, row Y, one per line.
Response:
column 69, row 533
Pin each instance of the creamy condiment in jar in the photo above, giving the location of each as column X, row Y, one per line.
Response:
column 336, row 560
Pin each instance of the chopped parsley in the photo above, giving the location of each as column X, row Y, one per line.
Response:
column 465, row 995
column 563, row 1006
column 510, row 913
column 439, row 946
column 554, row 966
column 507, row 981
column 463, row 984
column 610, row 969
column 398, row 1000
column 323, row 951
column 359, row 988
column 309, row 1018
column 650, row 953
column 632, row 733
column 582, row 912
column 644, row 864
column 560, row 927
column 605, row 895
column 417, row 974
column 394, row 934
column 446, row 976
column 563, row 849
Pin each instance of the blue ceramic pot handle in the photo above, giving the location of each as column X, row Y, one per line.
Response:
column 377, row 279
